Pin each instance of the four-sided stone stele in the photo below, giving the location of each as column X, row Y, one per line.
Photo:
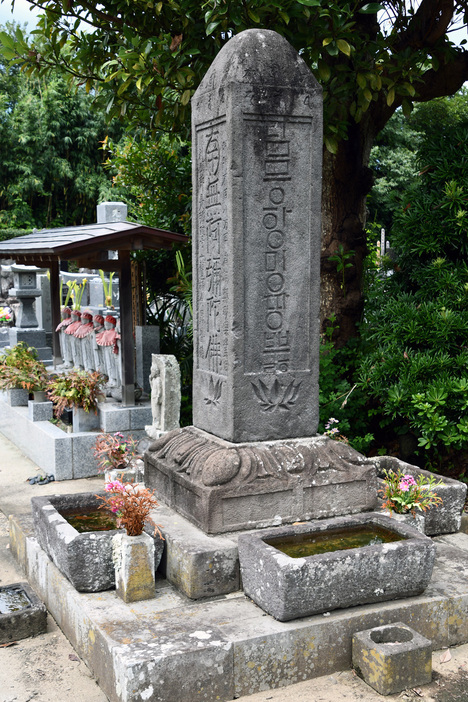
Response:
column 392, row 658
column 257, row 165
column 252, row 458
column 290, row 587
column 22, row 614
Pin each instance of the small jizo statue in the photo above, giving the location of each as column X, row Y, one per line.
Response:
column 165, row 395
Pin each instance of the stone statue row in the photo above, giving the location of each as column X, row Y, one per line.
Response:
column 91, row 342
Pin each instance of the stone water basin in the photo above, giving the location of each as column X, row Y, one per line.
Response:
column 22, row 614
column 84, row 557
column 291, row 587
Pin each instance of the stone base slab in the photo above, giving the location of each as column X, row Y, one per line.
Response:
column 223, row 487
column 66, row 456
column 172, row 650
column 197, row 564
column 114, row 417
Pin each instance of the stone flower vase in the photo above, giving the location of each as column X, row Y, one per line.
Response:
column 40, row 396
column 134, row 566
column 417, row 520
column 84, row 421
column 132, row 473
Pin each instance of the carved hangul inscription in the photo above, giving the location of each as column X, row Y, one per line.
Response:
column 277, row 246
column 212, row 344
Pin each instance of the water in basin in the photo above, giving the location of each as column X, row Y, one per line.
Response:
column 302, row 545
column 91, row 520
column 12, row 600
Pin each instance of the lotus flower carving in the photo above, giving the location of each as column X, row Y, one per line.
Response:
column 277, row 396
column 215, row 389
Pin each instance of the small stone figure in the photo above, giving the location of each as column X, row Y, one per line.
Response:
column 109, row 336
column 98, row 362
column 74, row 343
column 83, row 335
column 66, row 318
column 165, row 395
column 156, row 395
column 86, row 326
column 65, row 345
column 74, row 323
column 108, row 341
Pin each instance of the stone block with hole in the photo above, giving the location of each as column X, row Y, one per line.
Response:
column 392, row 658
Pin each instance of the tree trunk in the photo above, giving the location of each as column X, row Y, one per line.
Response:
column 346, row 181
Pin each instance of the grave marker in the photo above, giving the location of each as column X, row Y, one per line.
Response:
column 252, row 458
column 257, row 150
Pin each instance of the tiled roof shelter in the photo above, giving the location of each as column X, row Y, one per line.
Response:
column 89, row 246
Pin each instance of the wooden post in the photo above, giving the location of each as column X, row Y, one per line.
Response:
column 126, row 326
column 56, row 303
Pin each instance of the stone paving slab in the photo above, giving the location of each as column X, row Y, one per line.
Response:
column 172, row 649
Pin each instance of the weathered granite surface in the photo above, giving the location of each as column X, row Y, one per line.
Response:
column 30, row 621
column 86, row 558
column 257, row 151
column 179, row 651
column 133, row 558
column 221, row 486
column 289, row 588
column 165, row 395
column 392, row 658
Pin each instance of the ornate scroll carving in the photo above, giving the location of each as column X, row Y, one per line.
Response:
column 211, row 462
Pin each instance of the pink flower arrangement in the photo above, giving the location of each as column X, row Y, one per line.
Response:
column 131, row 504
column 403, row 493
column 5, row 315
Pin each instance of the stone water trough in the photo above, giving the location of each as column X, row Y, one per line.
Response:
column 291, row 587
column 84, row 558
column 22, row 614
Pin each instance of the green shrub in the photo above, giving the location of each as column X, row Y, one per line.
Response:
column 416, row 321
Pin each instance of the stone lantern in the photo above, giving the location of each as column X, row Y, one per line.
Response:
column 27, row 329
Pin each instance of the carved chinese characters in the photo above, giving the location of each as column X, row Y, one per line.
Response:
column 212, row 213
column 257, row 184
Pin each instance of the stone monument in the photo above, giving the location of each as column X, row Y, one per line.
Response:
column 252, row 457
column 165, row 395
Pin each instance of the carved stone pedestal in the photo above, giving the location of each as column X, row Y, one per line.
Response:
column 221, row 486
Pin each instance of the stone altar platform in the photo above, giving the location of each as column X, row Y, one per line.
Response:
column 67, row 456
column 171, row 649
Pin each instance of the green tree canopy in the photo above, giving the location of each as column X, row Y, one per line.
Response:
column 51, row 165
column 145, row 58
